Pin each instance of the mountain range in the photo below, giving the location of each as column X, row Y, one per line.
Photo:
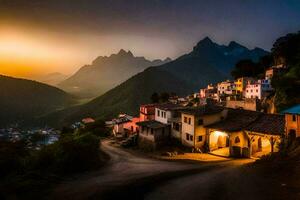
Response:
column 23, row 100
column 208, row 62
column 106, row 72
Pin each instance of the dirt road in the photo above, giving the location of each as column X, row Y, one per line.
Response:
column 130, row 175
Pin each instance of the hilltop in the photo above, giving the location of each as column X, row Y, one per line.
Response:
column 106, row 72
column 23, row 100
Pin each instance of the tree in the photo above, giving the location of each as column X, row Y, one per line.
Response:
column 155, row 98
column 245, row 68
column 164, row 97
column 286, row 49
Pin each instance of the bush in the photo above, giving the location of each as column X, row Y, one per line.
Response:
column 11, row 157
column 70, row 154
column 28, row 174
column 97, row 128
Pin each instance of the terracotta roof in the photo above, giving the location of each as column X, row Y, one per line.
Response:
column 236, row 120
column 202, row 110
column 259, row 122
column 268, row 124
column 152, row 124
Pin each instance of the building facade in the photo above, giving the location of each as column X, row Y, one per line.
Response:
column 194, row 121
column 292, row 122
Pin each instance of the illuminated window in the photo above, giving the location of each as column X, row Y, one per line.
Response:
column 237, row 139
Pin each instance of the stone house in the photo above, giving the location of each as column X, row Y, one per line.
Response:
column 153, row 134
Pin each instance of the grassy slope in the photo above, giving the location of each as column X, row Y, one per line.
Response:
column 22, row 99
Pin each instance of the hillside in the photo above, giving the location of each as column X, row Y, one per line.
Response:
column 22, row 100
column 206, row 64
column 52, row 78
column 105, row 73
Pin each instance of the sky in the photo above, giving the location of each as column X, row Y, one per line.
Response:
column 44, row 36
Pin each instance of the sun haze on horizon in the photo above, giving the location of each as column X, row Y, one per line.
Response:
column 40, row 37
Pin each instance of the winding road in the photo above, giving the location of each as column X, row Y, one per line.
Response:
column 135, row 176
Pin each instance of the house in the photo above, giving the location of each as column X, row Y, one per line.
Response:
column 131, row 127
column 253, row 91
column 274, row 70
column 245, row 133
column 209, row 92
column 241, row 83
column 169, row 114
column 193, row 122
column 225, row 88
column 292, row 122
column 147, row 112
column 119, row 124
column 258, row 89
column 153, row 134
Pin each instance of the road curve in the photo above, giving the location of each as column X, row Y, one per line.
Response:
column 131, row 175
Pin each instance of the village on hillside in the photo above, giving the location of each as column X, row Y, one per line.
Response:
column 229, row 119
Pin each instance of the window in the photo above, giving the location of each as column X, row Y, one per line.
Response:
column 294, row 118
column 165, row 116
column 200, row 122
column 190, row 120
column 237, row 139
column 256, row 90
column 151, row 131
column 185, row 120
column 158, row 113
column 191, row 138
column 200, row 138
column 176, row 126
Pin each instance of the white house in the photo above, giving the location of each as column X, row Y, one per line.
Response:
column 258, row 89
column 169, row 114
column 253, row 91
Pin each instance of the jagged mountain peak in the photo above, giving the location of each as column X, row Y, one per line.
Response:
column 122, row 52
column 234, row 45
column 204, row 42
column 167, row 59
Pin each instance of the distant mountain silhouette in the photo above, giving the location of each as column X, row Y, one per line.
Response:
column 52, row 78
column 207, row 63
column 23, row 100
column 106, row 72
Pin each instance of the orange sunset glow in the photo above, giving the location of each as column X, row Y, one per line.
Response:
column 23, row 54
